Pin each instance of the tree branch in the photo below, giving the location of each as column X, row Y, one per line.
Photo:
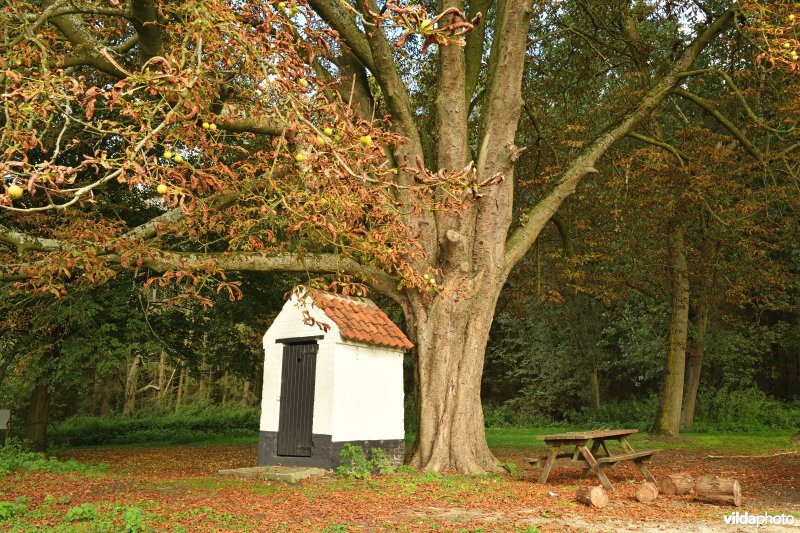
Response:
column 395, row 93
column 473, row 51
column 709, row 108
column 497, row 152
column 25, row 243
column 341, row 20
column 521, row 240
column 666, row 146
column 145, row 21
column 71, row 27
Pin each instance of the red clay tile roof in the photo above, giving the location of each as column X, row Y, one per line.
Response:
column 359, row 319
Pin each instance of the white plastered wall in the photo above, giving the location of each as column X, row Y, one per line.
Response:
column 367, row 393
column 289, row 324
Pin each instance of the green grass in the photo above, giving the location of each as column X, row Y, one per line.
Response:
column 732, row 443
column 530, row 438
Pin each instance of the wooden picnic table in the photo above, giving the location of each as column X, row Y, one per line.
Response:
column 571, row 450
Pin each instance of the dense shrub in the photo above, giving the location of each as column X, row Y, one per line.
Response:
column 192, row 424
column 744, row 410
column 638, row 414
column 514, row 413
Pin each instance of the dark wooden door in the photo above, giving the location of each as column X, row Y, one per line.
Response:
column 297, row 400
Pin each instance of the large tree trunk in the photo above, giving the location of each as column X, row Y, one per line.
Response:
column 107, row 394
column 131, row 386
column 184, row 375
column 668, row 416
column 595, row 379
column 694, row 364
column 246, row 392
column 451, row 335
column 162, row 369
column 38, row 413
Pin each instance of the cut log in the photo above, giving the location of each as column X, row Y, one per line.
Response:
column 647, row 492
column 592, row 496
column 714, row 489
column 676, row 485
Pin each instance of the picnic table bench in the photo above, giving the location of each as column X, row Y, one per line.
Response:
column 571, row 450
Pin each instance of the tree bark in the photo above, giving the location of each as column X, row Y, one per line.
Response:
column 162, row 365
column 181, row 385
column 668, row 416
column 694, row 365
column 225, row 388
column 450, row 335
column 595, row 379
column 8, row 429
column 131, row 387
column 107, row 394
column 38, row 414
column 246, row 392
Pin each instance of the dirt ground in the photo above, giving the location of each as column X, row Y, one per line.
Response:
column 177, row 489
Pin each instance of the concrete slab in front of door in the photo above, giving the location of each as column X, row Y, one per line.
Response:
column 288, row 474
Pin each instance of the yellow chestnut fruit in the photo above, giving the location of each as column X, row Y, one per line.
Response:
column 161, row 189
column 303, row 82
column 178, row 159
column 15, row 192
column 328, row 132
column 300, row 157
column 206, row 125
column 167, row 155
column 212, row 127
column 365, row 140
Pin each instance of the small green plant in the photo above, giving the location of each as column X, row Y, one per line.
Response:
column 430, row 476
column 85, row 512
column 337, row 528
column 134, row 520
column 14, row 457
column 380, row 462
column 355, row 464
column 513, row 469
column 405, row 469
column 11, row 509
